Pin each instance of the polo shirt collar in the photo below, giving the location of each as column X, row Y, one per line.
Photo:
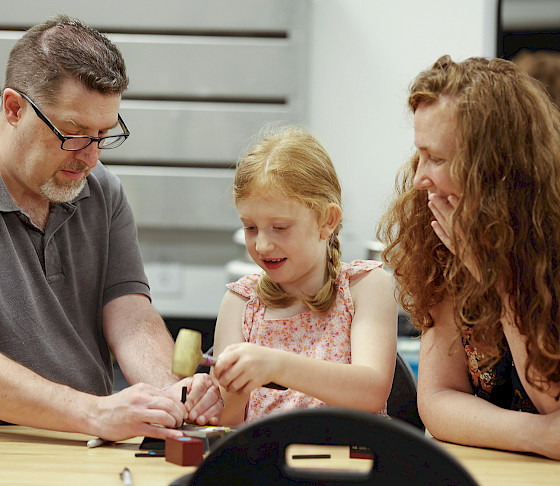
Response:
column 7, row 204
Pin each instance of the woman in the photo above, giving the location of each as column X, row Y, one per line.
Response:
column 473, row 238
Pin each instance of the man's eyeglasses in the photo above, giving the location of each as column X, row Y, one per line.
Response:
column 80, row 142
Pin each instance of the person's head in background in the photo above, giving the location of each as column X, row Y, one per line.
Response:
column 505, row 174
column 59, row 49
column 288, row 184
column 544, row 66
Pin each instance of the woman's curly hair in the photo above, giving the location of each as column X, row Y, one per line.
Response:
column 508, row 167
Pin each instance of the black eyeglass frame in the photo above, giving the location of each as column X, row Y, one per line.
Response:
column 64, row 138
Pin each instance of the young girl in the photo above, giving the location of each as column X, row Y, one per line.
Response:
column 323, row 329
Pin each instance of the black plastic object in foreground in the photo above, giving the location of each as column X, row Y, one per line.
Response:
column 256, row 453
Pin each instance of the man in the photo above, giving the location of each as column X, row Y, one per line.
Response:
column 72, row 281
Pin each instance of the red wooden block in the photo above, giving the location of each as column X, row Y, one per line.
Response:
column 186, row 451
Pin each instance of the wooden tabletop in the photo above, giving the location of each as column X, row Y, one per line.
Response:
column 496, row 468
column 31, row 456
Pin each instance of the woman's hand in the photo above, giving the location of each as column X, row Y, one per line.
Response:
column 442, row 209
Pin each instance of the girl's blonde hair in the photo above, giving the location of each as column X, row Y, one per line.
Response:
column 292, row 162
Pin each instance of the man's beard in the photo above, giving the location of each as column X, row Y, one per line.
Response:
column 56, row 192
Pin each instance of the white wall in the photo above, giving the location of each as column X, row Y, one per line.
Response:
column 364, row 54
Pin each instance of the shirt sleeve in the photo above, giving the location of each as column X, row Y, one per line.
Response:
column 125, row 269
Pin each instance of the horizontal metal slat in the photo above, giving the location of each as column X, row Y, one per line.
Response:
column 201, row 67
column 190, row 133
column 179, row 198
column 170, row 15
column 209, row 67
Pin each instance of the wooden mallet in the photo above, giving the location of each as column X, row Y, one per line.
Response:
column 187, row 355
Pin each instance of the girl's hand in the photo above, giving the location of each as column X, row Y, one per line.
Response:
column 245, row 366
column 204, row 404
column 442, row 209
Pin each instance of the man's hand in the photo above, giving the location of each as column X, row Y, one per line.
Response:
column 204, row 403
column 139, row 410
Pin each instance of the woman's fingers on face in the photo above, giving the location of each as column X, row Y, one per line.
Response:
column 442, row 210
column 435, row 210
column 442, row 235
column 442, row 206
column 441, row 220
column 453, row 200
column 437, row 229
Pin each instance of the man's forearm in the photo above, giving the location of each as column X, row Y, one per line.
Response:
column 27, row 398
column 148, row 357
column 139, row 340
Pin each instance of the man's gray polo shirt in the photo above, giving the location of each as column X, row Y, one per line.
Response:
column 54, row 284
